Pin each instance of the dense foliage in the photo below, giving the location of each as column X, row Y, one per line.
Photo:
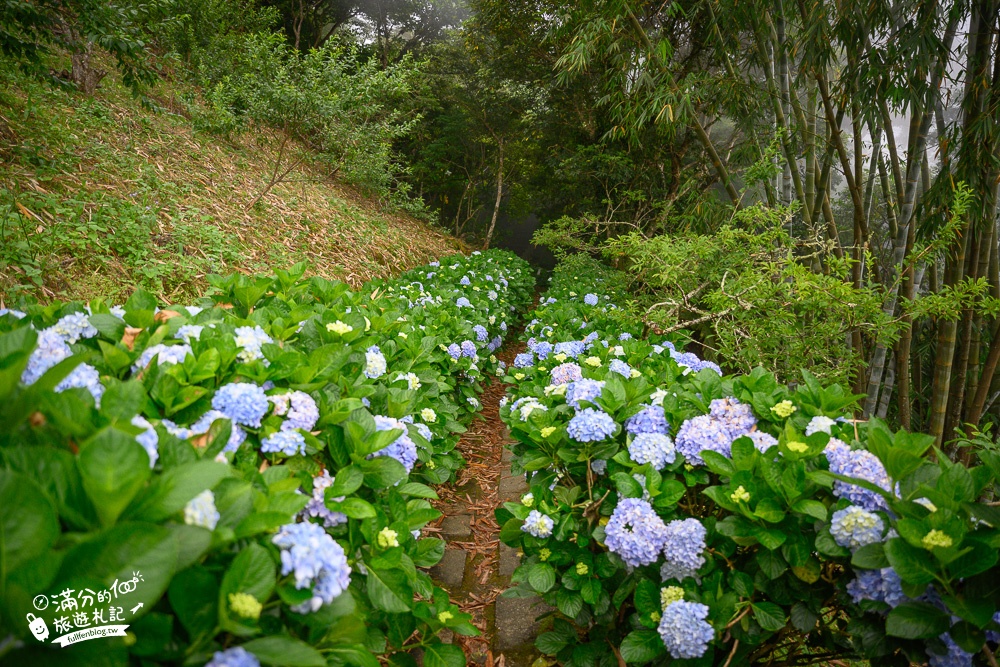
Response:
column 257, row 464
column 717, row 519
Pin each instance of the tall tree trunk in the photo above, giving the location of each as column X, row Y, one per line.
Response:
column 496, row 204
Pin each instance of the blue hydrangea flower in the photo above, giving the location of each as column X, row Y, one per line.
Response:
column 589, row 339
column 684, row 544
column 858, row 464
column 148, row 438
column 583, row 390
column 165, row 355
column 524, row 360
column 563, row 373
column 464, row 281
column 625, row 336
column 375, row 366
column 84, row 376
column 992, row 635
column 492, row 295
column 468, row 349
column 298, row 408
column 590, row 299
column 684, row 630
column 654, row 448
column 620, row 367
column 599, row 466
column 728, row 419
column 572, row 349
column 650, row 419
column 543, row 349
column 954, row 655
column 13, row 313
column 403, row 449
column 455, row 351
column 250, row 340
column 234, row 657
column 736, row 416
column 877, row 585
column 73, row 327
column 482, row 335
column 462, row 302
column 591, row 425
column 289, row 443
column 692, row 362
column 702, row 433
column 50, row 349
column 315, row 560
column 201, row 511
column 317, row 508
column 854, row 527
column 635, row 532
column 242, row 402
column 538, row 524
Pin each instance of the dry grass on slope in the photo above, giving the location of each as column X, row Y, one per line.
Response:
column 100, row 195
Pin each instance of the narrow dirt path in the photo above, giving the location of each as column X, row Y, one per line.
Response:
column 476, row 567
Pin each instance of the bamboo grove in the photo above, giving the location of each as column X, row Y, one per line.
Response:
column 877, row 123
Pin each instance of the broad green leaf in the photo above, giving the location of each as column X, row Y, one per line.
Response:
column 113, row 467
column 916, row 620
column 285, row 652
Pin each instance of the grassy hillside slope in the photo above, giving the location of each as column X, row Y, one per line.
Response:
column 100, row 195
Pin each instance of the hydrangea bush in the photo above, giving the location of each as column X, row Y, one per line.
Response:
column 676, row 514
column 261, row 458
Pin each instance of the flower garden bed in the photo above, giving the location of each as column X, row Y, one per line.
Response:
column 677, row 515
column 256, row 467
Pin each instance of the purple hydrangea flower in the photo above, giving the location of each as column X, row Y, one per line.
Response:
column 482, row 335
column 403, row 449
column 298, row 408
column 468, row 349
column 455, row 351
column 568, row 372
column 317, row 506
column 858, row 464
